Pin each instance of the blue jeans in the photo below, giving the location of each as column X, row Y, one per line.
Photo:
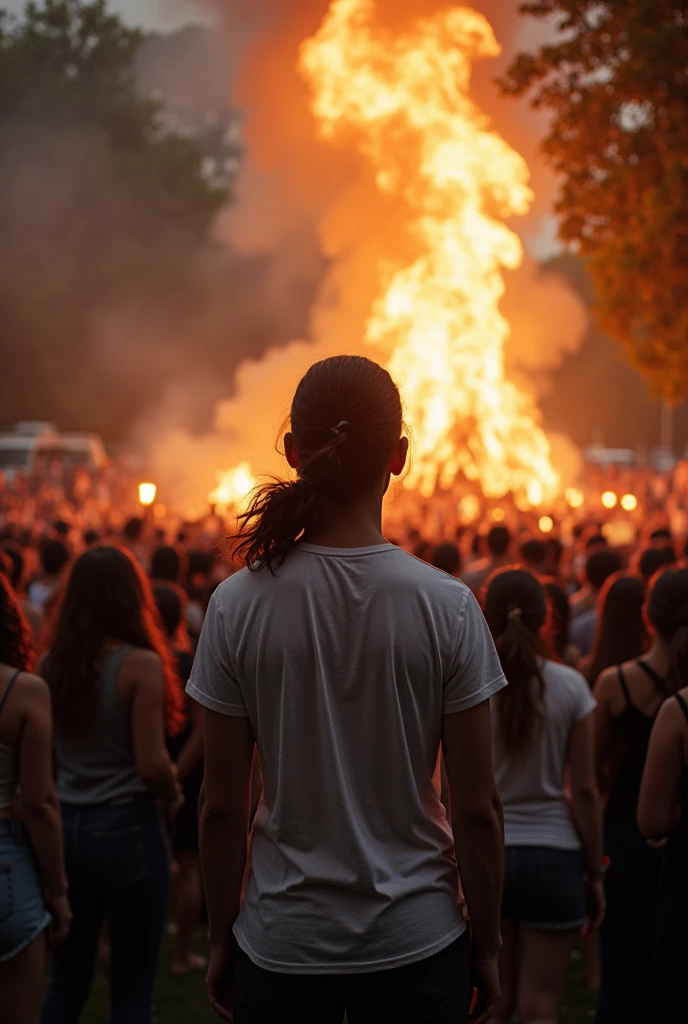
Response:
column 119, row 872
column 436, row 990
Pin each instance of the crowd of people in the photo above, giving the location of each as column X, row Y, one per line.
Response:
column 140, row 671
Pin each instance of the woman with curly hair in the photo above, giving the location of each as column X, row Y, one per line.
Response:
column 113, row 687
column 33, row 884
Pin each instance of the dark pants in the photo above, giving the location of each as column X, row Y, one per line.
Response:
column 432, row 991
column 118, row 871
column 627, row 935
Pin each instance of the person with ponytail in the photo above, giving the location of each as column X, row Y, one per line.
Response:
column 542, row 735
column 663, row 806
column 629, row 697
column 347, row 662
column 113, row 689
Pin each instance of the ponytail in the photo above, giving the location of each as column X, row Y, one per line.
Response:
column 516, row 610
column 277, row 516
column 346, row 421
column 520, row 707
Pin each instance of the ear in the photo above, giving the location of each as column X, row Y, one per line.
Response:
column 290, row 451
column 399, row 456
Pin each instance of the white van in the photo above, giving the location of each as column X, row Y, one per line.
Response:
column 29, row 444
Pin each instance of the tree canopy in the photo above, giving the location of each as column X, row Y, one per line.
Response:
column 615, row 80
column 105, row 205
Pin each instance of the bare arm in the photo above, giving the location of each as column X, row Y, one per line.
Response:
column 224, row 817
column 191, row 754
column 585, row 795
column 602, row 719
column 658, row 807
column 40, row 807
column 477, row 821
column 148, row 726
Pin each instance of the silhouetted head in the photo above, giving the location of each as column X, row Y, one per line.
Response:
column 498, row 541
column 447, row 558
column 667, row 613
column 345, row 442
column 600, row 566
column 15, row 633
column 621, row 635
column 533, row 555
column 54, row 556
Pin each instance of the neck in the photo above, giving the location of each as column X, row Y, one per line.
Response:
column 658, row 656
column 356, row 524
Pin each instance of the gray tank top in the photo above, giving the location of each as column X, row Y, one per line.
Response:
column 97, row 764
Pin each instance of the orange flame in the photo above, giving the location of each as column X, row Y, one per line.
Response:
column 403, row 101
column 233, row 487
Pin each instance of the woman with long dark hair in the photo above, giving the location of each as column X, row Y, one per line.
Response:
column 621, row 635
column 113, row 687
column 663, row 807
column 347, row 661
column 542, row 732
column 33, row 884
column 629, row 697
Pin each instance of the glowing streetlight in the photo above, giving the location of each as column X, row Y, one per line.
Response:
column 609, row 499
column 629, row 503
column 574, row 497
column 546, row 524
column 498, row 515
column 147, row 493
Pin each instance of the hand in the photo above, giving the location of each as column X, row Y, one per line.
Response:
column 61, row 912
column 220, row 978
column 486, row 977
column 597, row 904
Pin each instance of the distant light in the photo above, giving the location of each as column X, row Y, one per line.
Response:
column 147, row 493
column 469, row 508
column 629, row 503
column 574, row 497
column 546, row 524
column 498, row 515
column 609, row 499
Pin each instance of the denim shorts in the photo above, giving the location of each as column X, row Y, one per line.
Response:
column 544, row 888
column 23, row 915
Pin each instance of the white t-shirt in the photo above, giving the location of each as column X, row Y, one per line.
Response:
column 345, row 662
column 536, row 810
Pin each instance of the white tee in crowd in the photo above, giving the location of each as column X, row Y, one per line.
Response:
column 345, row 662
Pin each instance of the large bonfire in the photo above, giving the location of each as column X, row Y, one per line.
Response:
column 403, row 101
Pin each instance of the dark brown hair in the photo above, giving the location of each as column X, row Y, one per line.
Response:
column 15, row 632
column 516, row 611
column 106, row 597
column 667, row 610
column 621, row 635
column 346, row 420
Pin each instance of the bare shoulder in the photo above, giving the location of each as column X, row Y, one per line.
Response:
column 32, row 687
column 607, row 683
column 141, row 670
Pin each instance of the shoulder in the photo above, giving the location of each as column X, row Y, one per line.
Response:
column 142, row 664
column 607, row 682
column 671, row 718
column 32, row 687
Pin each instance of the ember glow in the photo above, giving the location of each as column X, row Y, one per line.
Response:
column 233, row 487
column 403, row 101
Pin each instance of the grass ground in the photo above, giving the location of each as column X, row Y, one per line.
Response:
column 183, row 1000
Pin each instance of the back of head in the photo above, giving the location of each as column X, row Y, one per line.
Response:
column 516, row 610
column 560, row 617
column 107, row 599
column 534, row 554
column 661, row 537
column 600, row 565
column 498, row 541
column 447, row 558
column 15, row 633
column 654, row 559
column 667, row 611
column 621, row 634
column 54, row 556
column 345, row 423
column 133, row 528
column 91, row 537
column 170, row 601
column 166, row 564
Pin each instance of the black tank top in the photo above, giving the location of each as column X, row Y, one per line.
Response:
column 631, row 731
